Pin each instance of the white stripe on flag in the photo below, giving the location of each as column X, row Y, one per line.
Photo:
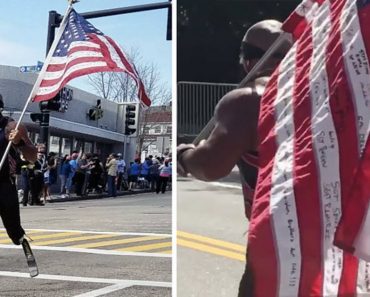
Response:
column 81, row 66
column 326, row 150
column 83, row 43
column 284, row 222
column 50, row 75
column 357, row 70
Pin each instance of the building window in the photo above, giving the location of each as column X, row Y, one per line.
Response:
column 157, row 130
column 88, row 148
column 78, row 145
column 66, row 147
column 169, row 130
column 146, row 130
column 54, row 144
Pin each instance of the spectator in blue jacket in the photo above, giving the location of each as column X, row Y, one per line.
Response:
column 134, row 172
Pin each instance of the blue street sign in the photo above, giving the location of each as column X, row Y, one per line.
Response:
column 33, row 68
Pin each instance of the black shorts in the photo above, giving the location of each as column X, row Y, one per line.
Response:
column 9, row 211
column 132, row 178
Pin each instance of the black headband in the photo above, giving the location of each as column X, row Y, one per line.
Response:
column 249, row 52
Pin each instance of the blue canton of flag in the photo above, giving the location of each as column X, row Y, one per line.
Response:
column 77, row 29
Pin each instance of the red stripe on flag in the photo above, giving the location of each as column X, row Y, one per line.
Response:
column 355, row 213
column 66, row 79
column 262, row 258
column 83, row 48
column 51, row 82
column 306, row 187
column 345, row 122
column 60, row 67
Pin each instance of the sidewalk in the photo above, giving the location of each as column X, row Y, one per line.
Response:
column 74, row 197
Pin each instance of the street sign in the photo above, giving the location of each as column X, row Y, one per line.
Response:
column 32, row 68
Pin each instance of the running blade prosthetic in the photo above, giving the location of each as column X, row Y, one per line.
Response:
column 31, row 261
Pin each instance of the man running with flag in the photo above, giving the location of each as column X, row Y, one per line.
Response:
column 78, row 49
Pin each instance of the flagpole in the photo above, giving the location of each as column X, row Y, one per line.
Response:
column 206, row 131
column 39, row 78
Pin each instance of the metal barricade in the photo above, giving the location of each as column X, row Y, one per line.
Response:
column 196, row 102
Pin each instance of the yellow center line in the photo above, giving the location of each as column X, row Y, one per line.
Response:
column 166, row 252
column 210, row 249
column 216, row 242
column 119, row 241
column 146, row 247
column 54, row 235
column 72, row 239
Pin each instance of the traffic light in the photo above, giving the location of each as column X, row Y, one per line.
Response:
column 42, row 118
column 130, row 119
column 52, row 104
column 95, row 112
column 92, row 114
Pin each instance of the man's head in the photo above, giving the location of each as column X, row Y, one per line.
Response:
column 257, row 40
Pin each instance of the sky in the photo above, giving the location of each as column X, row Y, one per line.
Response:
column 23, row 32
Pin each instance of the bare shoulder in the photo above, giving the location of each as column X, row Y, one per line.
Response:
column 238, row 101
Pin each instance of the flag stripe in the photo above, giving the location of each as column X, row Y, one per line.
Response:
column 326, row 154
column 282, row 206
column 53, row 77
column 306, row 189
column 45, row 93
column 345, row 122
column 261, row 247
column 355, row 59
column 71, row 70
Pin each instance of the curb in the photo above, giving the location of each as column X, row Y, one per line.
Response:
column 56, row 199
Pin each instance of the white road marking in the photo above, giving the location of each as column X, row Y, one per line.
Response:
column 98, row 232
column 89, row 251
column 70, row 278
column 103, row 291
column 220, row 184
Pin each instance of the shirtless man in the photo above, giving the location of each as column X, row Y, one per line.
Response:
column 234, row 139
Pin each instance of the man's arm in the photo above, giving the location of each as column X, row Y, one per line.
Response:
column 21, row 141
column 235, row 132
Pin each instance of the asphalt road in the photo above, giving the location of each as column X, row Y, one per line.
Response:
column 211, row 238
column 105, row 247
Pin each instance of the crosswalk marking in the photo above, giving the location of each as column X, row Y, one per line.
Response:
column 76, row 240
column 72, row 239
column 118, row 241
column 54, row 235
column 147, row 247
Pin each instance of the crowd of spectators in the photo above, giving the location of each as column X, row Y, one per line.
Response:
column 86, row 173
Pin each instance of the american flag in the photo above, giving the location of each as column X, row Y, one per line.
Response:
column 82, row 49
column 313, row 131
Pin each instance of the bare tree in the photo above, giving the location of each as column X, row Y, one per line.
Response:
column 120, row 87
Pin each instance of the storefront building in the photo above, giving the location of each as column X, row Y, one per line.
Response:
column 73, row 129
